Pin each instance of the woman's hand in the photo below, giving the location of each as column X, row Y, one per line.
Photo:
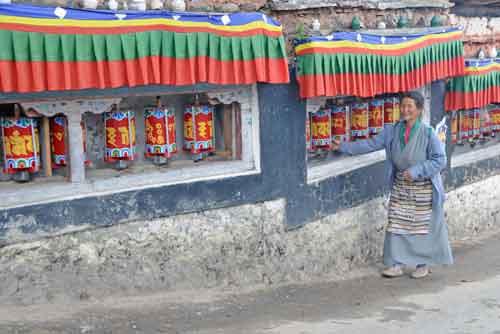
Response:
column 407, row 176
column 335, row 144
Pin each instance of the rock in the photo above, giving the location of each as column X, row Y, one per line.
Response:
column 89, row 254
column 227, row 8
column 202, row 7
column 250, row 7
column 436, row 21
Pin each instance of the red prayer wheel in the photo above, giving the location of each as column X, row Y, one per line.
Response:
column 58, row 125
column 308, row 132
column 485, row 124
column 391, row 110
column 120, row 135
column 376, row 116
column 359, row 121
column 199, row 129
column 340, row 124
column 494, row 111
column 474, row 123
column 321, row 129
column 454, row 126
column 160, row 132
column 464, row 125
column 21, row 145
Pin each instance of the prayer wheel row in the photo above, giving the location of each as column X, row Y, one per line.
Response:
column 346, row 122
column 21, row 146
column 475, row 124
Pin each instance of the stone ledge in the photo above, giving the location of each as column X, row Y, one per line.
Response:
column 370, row 4
column 335, row 168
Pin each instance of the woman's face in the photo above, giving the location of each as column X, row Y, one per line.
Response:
column 409, row 110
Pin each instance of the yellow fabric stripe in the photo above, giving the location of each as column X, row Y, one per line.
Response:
column 133, row 23
column 490, row 67
column 361, row 45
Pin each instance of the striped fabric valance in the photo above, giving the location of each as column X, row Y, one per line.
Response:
column 479, row 86
column 54, row 48
column 350, row 63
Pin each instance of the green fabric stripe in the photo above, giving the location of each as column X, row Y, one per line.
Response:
column 32, row 46
column 326, row 64
column 474, row 83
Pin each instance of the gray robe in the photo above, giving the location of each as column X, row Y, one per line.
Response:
column 433, row 248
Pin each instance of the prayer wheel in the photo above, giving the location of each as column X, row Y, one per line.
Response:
column 464, row 123
column 340, row 124
column 494, row 111
column 21, row 145
column 454, row 126
column 58, row 125
column 391, row 110
column 321, row 129
column 485, row 124
column 474, row 123
column 308, row 133
column 359, row 121
column 120, row 135
column 160, row 132
column 199, row 129
column 376, row 116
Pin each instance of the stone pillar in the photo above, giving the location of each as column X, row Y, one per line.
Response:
column 247, row 127
column 76, row 155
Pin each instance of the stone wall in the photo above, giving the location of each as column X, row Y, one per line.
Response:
column 480, row 33
column 239, row 246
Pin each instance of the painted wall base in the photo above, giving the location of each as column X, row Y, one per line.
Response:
column 238, row 246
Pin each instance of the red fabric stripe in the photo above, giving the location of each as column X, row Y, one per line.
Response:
column 398, row 52
column 470, row 100
column 26, row 77
column 367, row 85
column 123, row 30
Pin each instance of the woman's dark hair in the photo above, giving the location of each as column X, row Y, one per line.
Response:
column 415, row 96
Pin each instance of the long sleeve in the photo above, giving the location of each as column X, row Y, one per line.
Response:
column 364, row 146
column 435, row 163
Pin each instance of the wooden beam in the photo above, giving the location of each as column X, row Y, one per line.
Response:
column 237, row 131
column 46, row 147
column 227, row 129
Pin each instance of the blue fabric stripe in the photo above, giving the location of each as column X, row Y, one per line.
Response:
column 374, row 39
column 481, row 62
column 47, row 12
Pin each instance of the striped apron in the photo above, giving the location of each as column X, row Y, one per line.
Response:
column 410, row 206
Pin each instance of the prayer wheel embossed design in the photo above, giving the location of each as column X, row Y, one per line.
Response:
column 199, row 129
column 454, row 126
column 58, row 125
column 474, row 123
column 494, row 111
column 376, row 116
column 464, row 122
column 120, row 135
column 391, row 110
column 321, row 129
column 160, row 132
column 21, row 145
column 359, row 121
column 308, row 132
column 340, row 124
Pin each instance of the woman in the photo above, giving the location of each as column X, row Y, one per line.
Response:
column 416, row 234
